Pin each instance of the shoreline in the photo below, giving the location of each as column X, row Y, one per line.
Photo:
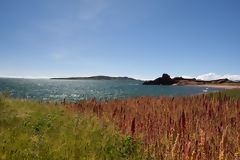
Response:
column 218, row 86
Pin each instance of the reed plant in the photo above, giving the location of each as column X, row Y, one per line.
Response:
column 198, row 127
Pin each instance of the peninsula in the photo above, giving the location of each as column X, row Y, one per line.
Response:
column 180, row 81
column 97, row 78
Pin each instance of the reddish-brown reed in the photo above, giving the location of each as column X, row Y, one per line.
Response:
column 175, row 128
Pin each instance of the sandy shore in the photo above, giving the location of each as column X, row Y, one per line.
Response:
column 219, row 86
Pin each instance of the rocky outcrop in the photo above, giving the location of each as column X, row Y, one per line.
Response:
column 164, row 80
column 167, row 80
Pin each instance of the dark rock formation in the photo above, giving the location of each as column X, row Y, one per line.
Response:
column 177, row 79
column 164, row 80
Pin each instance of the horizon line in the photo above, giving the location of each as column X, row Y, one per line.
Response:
column 208, row 76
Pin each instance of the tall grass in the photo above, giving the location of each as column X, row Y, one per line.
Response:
column 204, row 127
column 199, row 127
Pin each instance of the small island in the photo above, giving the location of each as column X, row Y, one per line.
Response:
column 97, row 78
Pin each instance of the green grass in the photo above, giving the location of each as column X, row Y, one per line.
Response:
column 29, row 130
column 231, row 93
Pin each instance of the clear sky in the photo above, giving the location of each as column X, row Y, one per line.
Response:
column 136, row 38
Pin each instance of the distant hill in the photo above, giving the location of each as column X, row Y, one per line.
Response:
column 97, row 78
column 166, row 80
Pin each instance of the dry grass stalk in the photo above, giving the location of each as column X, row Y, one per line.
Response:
column 161, row 121
column 223, row 144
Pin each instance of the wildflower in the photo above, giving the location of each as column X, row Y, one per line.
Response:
column 237, row 155
column 134, row 141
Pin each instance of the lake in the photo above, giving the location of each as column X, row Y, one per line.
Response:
column 75, row 90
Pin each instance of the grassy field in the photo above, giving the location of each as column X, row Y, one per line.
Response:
column 230, row 93
column 204, row 127
column 29, row 130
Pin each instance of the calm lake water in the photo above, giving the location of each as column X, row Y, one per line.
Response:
column 75, row 90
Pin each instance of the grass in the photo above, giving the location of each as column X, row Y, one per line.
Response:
column 204, row 127
column 31, row 130
column 229, row 93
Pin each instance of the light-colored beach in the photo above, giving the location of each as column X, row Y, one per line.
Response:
column 220, row 86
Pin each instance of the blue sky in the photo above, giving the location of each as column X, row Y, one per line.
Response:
column 136, row 38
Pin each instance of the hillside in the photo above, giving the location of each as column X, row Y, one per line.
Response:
column 167, row 80
column 97, row 78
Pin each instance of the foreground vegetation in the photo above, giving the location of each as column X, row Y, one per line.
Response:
column 229, row 93
column 200, row 127
column 29, row 130
column 204, row 127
